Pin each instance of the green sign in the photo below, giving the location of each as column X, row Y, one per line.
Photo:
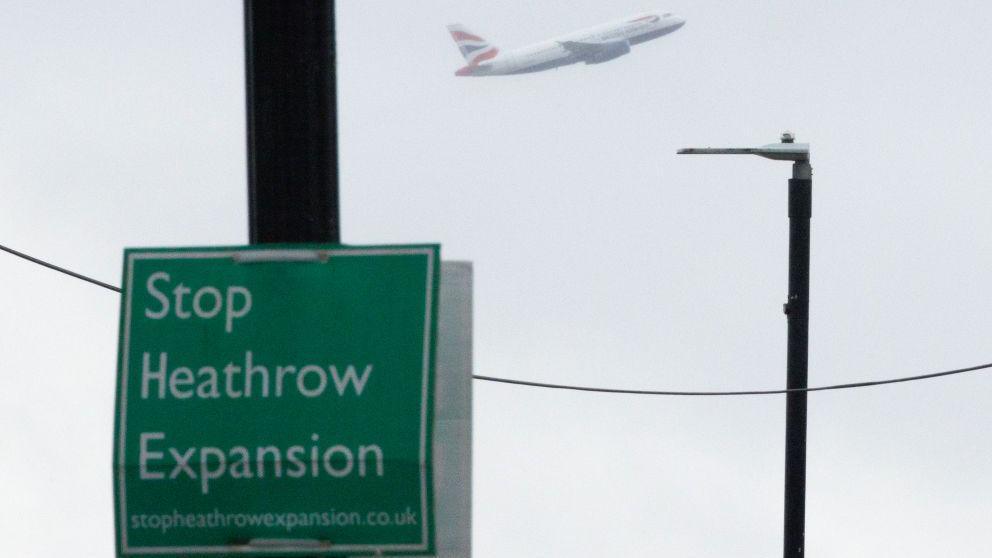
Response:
column 276, row 401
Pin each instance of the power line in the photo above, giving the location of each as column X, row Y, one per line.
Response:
column 60, row 269
column 596, row 389
column 743, row 392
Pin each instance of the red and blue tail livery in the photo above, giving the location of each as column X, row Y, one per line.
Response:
column 474, row 48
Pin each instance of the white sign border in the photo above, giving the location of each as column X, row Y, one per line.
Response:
column 278, row 254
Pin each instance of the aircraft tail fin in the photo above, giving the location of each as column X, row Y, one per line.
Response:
column 474, row 48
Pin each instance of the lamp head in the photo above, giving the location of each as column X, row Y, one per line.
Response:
column 787, row 150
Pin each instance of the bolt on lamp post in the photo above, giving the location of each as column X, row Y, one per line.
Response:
column 797, row 311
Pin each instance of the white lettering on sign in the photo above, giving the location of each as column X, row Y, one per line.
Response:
column 209, row 463
column 250, row 380
column 144, row 455
column 207, row 301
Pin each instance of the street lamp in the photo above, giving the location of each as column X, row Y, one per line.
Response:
column 797, row 311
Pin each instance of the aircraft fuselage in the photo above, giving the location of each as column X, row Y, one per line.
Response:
column 592, row 46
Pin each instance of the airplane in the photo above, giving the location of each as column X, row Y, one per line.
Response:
column 593, row 46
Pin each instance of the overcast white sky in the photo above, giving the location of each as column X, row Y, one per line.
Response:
column 601, row 258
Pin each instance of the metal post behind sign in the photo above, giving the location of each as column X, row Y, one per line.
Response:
column 291, row 102
column 290, row 75
column 290, row 72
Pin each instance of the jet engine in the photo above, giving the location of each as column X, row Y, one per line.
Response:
column 609, row 51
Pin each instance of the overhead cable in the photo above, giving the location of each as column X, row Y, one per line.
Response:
column 742, row 392
column 60, row 269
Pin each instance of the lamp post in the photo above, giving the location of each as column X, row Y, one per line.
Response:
column 797, row 312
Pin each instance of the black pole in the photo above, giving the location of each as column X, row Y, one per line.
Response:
column 290, row 78
column 797, row 311
column 291, row 89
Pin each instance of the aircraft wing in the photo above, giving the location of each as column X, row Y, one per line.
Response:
column 583, row 49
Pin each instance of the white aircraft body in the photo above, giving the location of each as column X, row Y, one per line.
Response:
column 592, row 46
